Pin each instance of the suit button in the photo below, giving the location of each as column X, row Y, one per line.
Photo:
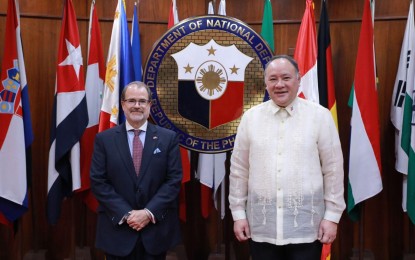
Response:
column 138, row 190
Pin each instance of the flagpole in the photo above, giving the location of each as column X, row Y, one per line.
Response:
column 20, row 238
column 361, row 231
column 72, row 236
column 227, row 221
column 83, row 209
column 34, row 228
column 218, row 250
column 218, row 222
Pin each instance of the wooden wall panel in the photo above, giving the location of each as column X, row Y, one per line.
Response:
column 387, row 232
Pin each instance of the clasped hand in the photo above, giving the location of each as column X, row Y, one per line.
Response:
column 138, row 219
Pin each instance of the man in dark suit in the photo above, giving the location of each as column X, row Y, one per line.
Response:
column 138, row 211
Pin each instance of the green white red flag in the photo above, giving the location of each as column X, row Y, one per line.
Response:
column 364, row 161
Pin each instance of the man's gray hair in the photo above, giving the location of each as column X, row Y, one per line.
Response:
column 137, row 84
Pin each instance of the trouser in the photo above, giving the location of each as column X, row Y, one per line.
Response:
column 138, row 253
column 303, row 251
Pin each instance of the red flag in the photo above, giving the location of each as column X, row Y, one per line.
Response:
column 94, row 85
column 4, row 221
column 325, row 253
column 174, row 19
column 306, row 54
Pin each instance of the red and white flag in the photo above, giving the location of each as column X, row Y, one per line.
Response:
column 173, row 15
column 94, row 85
column 16, row 134
column 306, row 55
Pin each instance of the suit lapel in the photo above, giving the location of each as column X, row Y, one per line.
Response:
column 121, row 142
column 150, row 145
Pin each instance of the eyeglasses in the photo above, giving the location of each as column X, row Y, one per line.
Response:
column 141, row 102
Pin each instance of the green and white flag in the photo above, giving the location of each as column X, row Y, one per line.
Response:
column 402, row 109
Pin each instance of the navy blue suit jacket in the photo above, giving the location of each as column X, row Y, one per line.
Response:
column 118, row 190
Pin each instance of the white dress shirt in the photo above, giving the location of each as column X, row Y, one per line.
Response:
column 286, row 172
column 130, row 134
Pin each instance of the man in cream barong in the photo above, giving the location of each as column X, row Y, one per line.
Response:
column 286, row 180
